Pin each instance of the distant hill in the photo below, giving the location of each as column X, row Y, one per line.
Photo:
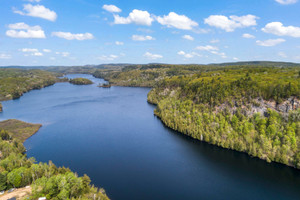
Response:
column 259, row 63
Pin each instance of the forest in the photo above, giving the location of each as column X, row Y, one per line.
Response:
column 47, row 180
column 15, row 82
column 80, row 81
column 247, row 107
column 251, row 110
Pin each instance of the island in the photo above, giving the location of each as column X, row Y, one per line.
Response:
column 81, row 81
column 105, row 85
column 1, row 107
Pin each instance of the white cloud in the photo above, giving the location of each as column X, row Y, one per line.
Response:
column 212, row 49
column 71, row 36
column 286, row 2
column 26, row 50
column 248, row 36
column 222, row 54
column 5, row 56
column 138, row 17
column 282, row 54
column 235, row 58
column 63, row 54
column 37, row 54
column 37, row 11
column 108, row 58
column 188, row 55
column 142, row 38
column 188, row 37
column 111, row 8
column 119, row 43
column 270, row 43
column 177, row 21
column 207, row 48
column 152, row 56
column 33, row 52
column 277, row 28
column 231, row 23
column 22, row 30
column 47, row 50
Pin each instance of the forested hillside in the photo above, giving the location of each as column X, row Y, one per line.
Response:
column 248, row 108
column 47, row 180
column 15, row 82
column 252, row 110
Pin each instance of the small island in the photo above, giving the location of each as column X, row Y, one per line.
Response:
column 1, row 108
column 81, row 81
column 105, row 85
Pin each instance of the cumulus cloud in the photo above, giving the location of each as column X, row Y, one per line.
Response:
column 5, row 56
column 222, row 54
column 37, row 11
column 28, row 50
column 286, row 2
column 231, row 23
column 119, row 43
column 138, row 17
column 152, row 56
column 188, row 37
column 188, row 55
column 248, row 36
column 71, row 36
column 22, row 30
column 32, row 52
column 277, row 28
column 47, row 50
column 142, row 38
column 108, row 57
column 207, row 48
column 177, row 21
column 63, row 54
column 212, row 49
column 111, row 8
column 270, row 43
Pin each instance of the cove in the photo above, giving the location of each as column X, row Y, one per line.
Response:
column 112, row 135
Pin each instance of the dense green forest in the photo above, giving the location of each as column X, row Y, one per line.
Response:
column 15, row 82
column 245, row 107
column 81, row 81
column 253, row 110
column 47, row 180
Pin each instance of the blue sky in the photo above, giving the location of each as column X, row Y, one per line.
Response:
column 80, row 32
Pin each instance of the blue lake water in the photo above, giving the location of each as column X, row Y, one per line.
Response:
column 113, row 136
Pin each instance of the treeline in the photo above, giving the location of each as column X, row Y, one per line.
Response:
column 225, row 108
column 217, row 87
column 15, row 82
column 47, row 180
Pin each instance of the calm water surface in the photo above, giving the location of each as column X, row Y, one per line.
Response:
column 113, row 136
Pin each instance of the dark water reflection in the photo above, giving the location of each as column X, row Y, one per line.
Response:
column 112, row 135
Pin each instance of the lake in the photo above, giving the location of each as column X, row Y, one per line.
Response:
column 112, row 135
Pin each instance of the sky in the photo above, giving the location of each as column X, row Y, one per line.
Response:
column 82, row 32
